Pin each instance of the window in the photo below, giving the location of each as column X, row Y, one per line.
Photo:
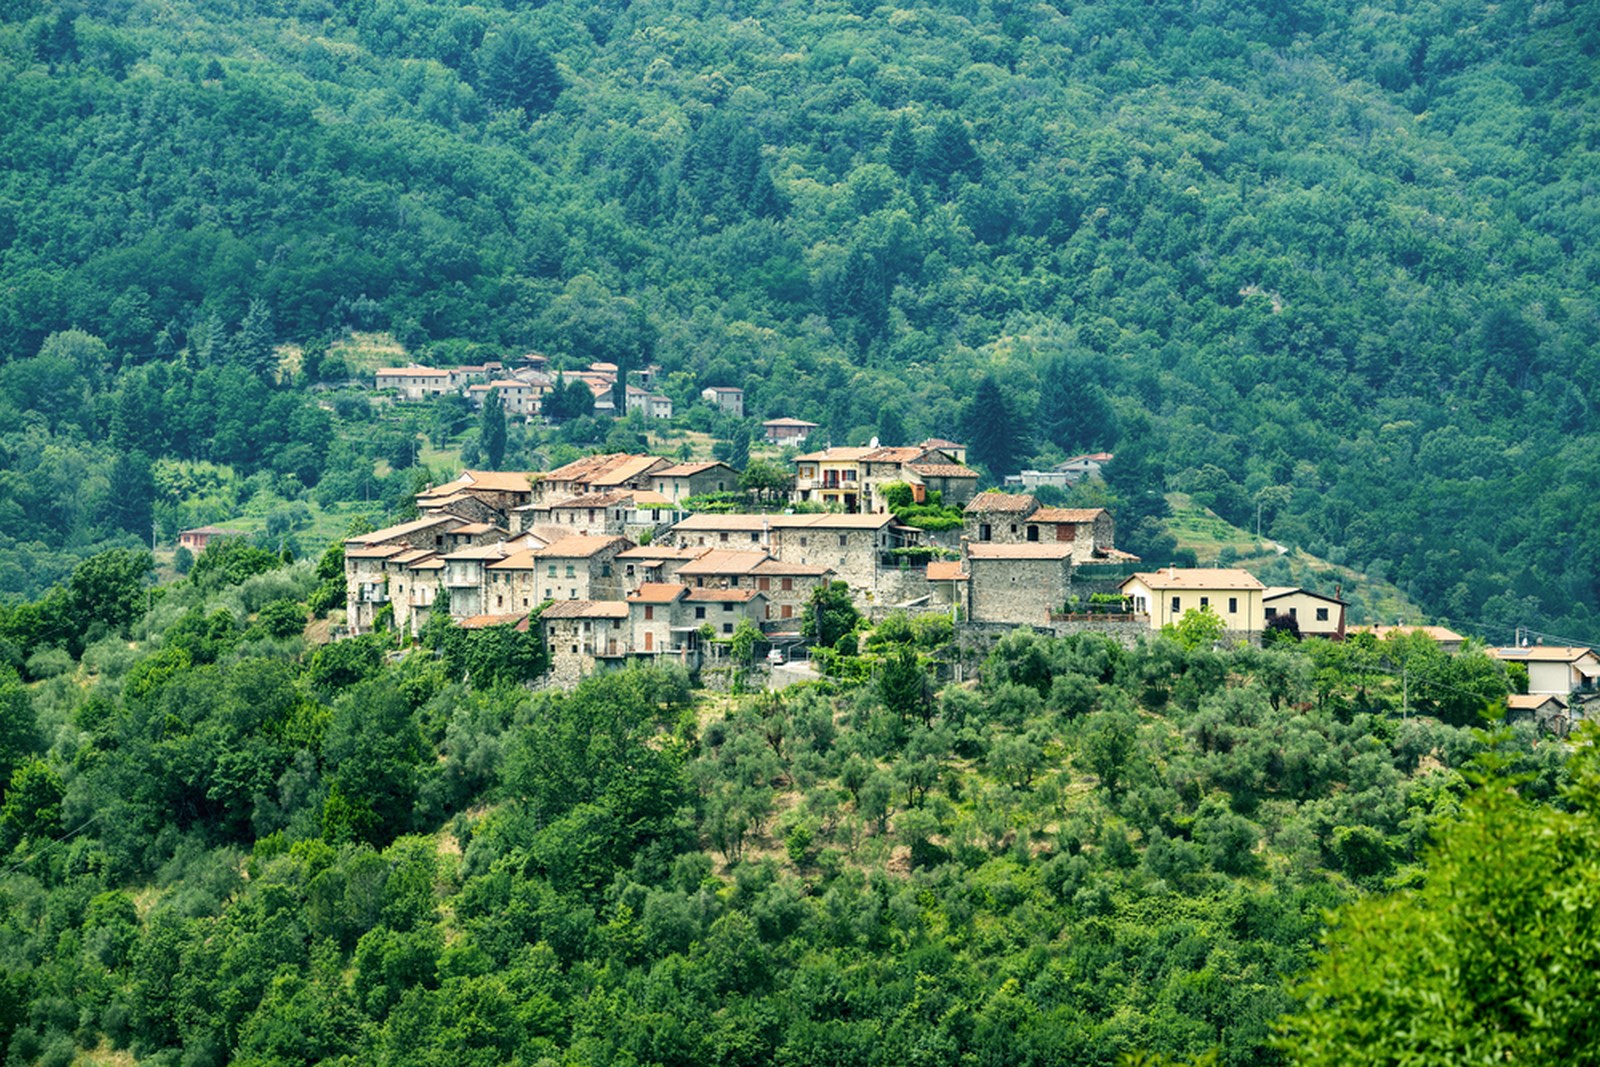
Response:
column 1205, row 602
column 699, row 613
column 788, row 585
column 727, row 606
column 722, row 536
column 552, row 570
column 843, row 540
column 1174, row 603
column 1013, row 528
column 1272, row 613
column 802, row 542
column 727, row 627
column 1233, row 605
column 985, row 531
column 764, row 584
column 499, row 601
column 1294, row 613
column 1322, row 614
column 572, row 571
column 1033, row 533
column 755, row 537
column 786, row 612
column 649, row 612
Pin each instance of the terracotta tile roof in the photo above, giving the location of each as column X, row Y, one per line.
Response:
column 657, row 593
column 942, row 470
column 472, row 529
column 1438, row 633
column 1538, row 653
column 483, row 622
column 777, row 568
column 413, row 372
column 585, row 609
column 842, row 454
column 661, row 553
column 1532, row 701
column 738, row 595
column 525, row 560
column 497, row 551
column 685, row 470
column 1066, row 514
column 1197, row 578
column 375, row 551
column 1021, row 550
column 630, row 467
column 946, row 570
column 486, row 481
column 213, row 531
column 723, row 561
column 894, row 455
column 433, row 563
column 797, row 423
column 593, row 500
column 415, row 556
column 583, row 468
column 578, row 547
column 942, row 443
column 994, row 502
column 710, row 522
column 404, row 529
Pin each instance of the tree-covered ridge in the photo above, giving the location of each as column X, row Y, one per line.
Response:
column 226, row 844
column 1342, row 256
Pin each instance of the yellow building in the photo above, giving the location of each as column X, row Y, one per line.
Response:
column 1164, row 595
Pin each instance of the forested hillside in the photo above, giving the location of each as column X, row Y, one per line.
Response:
column 223, row 844
column 1335, row 263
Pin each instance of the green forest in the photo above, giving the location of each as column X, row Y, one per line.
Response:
column 224, row 844
column 1326, row 269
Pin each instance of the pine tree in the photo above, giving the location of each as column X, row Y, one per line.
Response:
column 951, row 153
column 995, row 435
column 251, row 346
column 515, row 72
column 903, row 148
column 492, row 429
column 1073, row 410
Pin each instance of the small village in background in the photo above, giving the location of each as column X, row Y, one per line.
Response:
column 623, row 558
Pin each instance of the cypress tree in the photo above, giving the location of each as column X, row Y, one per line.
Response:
column 492, row 429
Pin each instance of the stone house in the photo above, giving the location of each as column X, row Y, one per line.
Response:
column 502, row 491
column 598, row 474
column 658, row 625
column 584, row 636
column 518, row 397
column 721, row 609
column 653, row 563
column 365, row 581
column 1163, row 596
column 1547, row 711
column 1314, row 614
column 726, row 397
column 853, row 478
column 1019, row 583
column 651, row 405
column 683, row 480
column 994, row 516
column 466, row 577
column 854, row 547
column 787, row 586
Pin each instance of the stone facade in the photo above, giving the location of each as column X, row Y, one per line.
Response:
column 1020, row 584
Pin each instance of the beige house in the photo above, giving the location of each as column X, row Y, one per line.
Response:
column 787, row 431
column 853, row 478
column 1315, row 614
column 1165, row 595
column 1555, row 670
column 415, row 382
column 366, row 581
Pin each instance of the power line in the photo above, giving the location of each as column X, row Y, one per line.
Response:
column 15, row 867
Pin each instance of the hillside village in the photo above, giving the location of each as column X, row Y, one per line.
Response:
column 609, row 558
